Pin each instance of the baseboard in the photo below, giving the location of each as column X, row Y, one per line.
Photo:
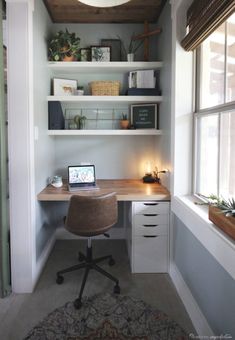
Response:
column 114, row 233
column 198, row 319
column 43, row 258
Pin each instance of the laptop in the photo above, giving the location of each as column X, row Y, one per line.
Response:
column 81, row 177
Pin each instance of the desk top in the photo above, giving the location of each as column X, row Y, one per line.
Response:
column 127, row 190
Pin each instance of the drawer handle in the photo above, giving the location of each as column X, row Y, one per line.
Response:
column 151, row 203
column 150, row 236
column 150, row 214
column 150, row 225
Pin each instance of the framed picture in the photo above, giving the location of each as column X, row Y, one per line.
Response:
column 85, row 54
column 115, row 45
column 144, row 116
column 100, row 53
column 64, row 87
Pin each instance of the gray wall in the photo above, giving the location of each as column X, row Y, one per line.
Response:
column 211, row 286
column 164, row 53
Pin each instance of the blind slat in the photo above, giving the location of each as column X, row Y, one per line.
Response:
column 203, row 18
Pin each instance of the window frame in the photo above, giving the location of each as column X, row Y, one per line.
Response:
column 220, row 109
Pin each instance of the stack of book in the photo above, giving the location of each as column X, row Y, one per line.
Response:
column 143, row 83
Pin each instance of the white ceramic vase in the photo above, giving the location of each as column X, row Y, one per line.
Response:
column 130, row 57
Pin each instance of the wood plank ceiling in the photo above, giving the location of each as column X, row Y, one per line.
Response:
column 135, row 11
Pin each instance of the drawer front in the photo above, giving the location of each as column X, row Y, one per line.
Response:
column 151, row 229
column 150, row 254
column 151, row 207
column 150, row 219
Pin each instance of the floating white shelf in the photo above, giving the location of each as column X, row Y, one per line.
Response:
column 138, row 132
column 103, row 99
column 100, row 67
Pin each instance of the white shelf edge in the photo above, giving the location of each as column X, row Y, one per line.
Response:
column 138, row 132
column 116, row 66
column 125, row 99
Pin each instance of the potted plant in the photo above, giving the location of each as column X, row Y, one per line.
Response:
column 124, row 122
column 133, row 46
column 64, row 46
column 222, row 213
column 80, row 121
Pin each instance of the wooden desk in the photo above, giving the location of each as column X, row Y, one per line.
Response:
column 127, row 190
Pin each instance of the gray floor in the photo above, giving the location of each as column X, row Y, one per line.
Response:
column 19, row 313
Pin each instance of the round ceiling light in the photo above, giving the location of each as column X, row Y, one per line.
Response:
column 103, row 3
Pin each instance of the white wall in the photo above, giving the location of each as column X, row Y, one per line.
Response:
column 43, row 145
column 114, row 157
column 164, row 53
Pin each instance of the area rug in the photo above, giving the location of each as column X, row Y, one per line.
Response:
column 107, row 317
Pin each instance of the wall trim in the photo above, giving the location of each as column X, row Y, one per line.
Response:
column 198, row 319
column 195, row 218
column 43, row 258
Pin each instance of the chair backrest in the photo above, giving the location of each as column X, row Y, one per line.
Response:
column 91, row 215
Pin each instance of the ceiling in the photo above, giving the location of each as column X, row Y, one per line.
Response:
column 135, row 11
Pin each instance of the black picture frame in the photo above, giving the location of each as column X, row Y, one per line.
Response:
column 100, row 53
column 85, row 54
column 115, row 45
column 144, row 116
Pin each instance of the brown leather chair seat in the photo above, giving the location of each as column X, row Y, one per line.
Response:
column 90, row 216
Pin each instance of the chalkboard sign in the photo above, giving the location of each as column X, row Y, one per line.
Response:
column 144, row 116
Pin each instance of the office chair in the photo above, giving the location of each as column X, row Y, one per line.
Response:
column 90, row 216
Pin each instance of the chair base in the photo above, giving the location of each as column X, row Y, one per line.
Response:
column 88, row 263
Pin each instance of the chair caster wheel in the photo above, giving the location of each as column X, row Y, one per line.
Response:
column 111, row 262
column 60, row 279
column 116, row 289
column 81, row 257
column 77, row 304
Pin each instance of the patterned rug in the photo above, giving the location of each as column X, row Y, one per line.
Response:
column 107, row 317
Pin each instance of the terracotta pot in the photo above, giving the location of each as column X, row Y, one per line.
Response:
column 69, row 58
column 225, row 223
column 124, row 124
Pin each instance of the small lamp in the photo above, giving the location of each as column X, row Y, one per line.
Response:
column 156, row 174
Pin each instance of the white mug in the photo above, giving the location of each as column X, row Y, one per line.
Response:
column 56, row 181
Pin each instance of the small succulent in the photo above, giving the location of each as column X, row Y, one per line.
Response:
column 80, row 121
column 227, row 206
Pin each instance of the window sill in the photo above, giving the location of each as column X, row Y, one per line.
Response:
column 195, row 218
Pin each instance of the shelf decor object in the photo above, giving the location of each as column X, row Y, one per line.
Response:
column 105, row 88
column 64, row 46
column 100, row 53
column 64, row 87
column 144, row 116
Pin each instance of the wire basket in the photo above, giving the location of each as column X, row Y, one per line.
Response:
column 105, row 88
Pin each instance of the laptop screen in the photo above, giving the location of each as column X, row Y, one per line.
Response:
column 81, row 174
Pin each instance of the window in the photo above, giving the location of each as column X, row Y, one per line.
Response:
column 215, row 113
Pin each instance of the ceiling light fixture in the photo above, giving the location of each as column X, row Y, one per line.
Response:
column 104, row 3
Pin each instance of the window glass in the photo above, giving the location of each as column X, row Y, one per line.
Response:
column 227, row 154
column 215, row 127
column 212, row 68
column 207, row 155
column 230, row 76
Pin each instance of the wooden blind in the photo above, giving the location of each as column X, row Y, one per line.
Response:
column 203, row 17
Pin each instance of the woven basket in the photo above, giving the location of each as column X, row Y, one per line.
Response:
column 105, row 88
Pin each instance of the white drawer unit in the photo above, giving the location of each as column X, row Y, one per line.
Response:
column 150, row 254
column 150, row 224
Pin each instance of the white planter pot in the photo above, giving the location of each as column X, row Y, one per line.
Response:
column 130, row 57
